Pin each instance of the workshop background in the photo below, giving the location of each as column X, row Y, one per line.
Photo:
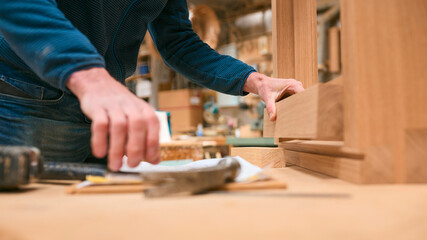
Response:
column 345, row 159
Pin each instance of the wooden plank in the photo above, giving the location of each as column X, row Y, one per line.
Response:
column 328, row 148
column 334, row 50
column 295, row 40
column 315, row 113
column 344, row 168
column 261, row 156
column 384, row 71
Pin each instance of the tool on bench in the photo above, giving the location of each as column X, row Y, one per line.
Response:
column 20, row 165
column 189, row 182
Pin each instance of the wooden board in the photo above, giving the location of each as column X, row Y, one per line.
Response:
column 343, row 168
column 328, row 148
column 295, row 40
column 261, row 156
column 384, row 71
column 315, row 113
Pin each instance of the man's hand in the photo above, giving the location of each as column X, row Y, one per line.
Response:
column 271, row 90
column 121, row 122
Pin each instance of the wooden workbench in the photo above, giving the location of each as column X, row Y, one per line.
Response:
column 314, row 207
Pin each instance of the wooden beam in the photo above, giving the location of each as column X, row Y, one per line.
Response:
column 295, row 40
column 315, row 113
column 261, row 156
column 343, row 168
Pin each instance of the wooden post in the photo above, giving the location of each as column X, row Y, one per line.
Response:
column 295, row 40
column 384, row 49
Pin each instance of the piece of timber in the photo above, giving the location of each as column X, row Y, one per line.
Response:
column 138, row 188
column 261, row 156
column 384, row 71
column 343, row 168
column 334, row 62
column 328, row 148
column 295, row 40
column 315, row 113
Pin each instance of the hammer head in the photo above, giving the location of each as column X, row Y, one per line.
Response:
column 19, row 166
column 172, row 183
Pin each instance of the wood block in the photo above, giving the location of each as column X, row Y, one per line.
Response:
column 344, row 168
column 261, row 156
column 315, row 113
column 295, row 40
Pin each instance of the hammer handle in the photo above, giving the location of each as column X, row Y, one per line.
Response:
column 71, row 171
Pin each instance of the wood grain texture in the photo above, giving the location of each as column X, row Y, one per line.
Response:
column 295, row 40
column 261, row 156
column 384, row 70
column 343, row 168
column 315, row 113
column 268, row 126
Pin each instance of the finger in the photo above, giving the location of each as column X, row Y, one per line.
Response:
column 118, row 132
column 99, row 129
column 298, row 87
column 135, row 148
column 152, row 145
column 271, row 108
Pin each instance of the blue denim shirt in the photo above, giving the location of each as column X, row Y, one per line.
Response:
column 51, row 39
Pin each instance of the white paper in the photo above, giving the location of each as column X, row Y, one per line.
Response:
column 247, row 170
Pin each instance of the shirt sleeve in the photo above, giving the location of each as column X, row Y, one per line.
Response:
column 183, row 51
column 39, row 33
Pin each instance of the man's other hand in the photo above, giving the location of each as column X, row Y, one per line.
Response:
column 121, row 122
column 271, row 90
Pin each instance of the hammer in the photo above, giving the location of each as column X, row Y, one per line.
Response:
column 21, row 165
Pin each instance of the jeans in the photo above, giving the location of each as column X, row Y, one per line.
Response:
column 47, row 118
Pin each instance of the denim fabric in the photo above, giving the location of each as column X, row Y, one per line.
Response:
column 51, row 120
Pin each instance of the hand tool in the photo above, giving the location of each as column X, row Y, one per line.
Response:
column 189, row 182
column 164, row 183
column 20, row 165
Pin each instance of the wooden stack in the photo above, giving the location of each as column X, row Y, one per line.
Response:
column 369, row 126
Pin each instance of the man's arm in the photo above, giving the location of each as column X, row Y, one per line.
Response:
column 61, row 55
column 183, row 51
column 38, row 32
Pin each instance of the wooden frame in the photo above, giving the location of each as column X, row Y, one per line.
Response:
column 384, row 89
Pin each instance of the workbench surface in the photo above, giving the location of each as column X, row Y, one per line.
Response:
column 313, row 207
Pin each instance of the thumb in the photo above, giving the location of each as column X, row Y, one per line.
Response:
column 271, row 109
